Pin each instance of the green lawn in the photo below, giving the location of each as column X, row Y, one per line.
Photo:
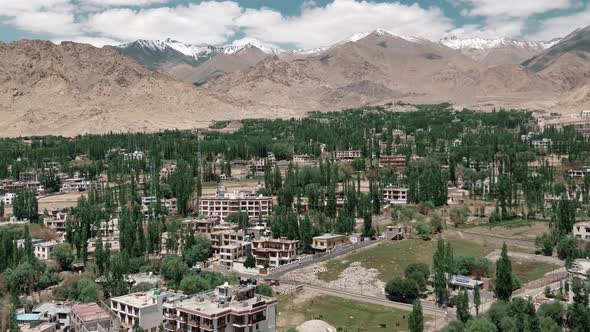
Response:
column 391, row 258
column 343, row 313
column 528, row 271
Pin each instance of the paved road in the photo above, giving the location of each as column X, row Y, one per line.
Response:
column 279, row 272
column 492, row 238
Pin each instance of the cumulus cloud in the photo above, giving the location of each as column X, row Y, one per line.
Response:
column 321, row 26
column 492, row 28
column 207, row 22
column 513, row 8
column 561, row 26
column 108, row 3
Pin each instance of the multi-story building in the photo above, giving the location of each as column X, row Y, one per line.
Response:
column 344, row 155
column 8, row 198
column 12, row 187
column 167, row 170
column 581, row 230
column 230, row 246
column 576, row 173
column 223, row 204
column 147, row 308
column 257, row 167
column 578, row 270
column 301, row 158
column 542, row 144
column 328, row 242
column 201, row 225
column 395, row 195
column 167, row 203
column 28, row 176
column 43, row 249
column 56, row 220
column 91, row 317
column 75, row 184
column 226, row 309
column 397, row 161
column 274, row 251
column 585, row 114
column 59, row 313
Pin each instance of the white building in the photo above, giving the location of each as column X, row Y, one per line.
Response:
column 585, row 114
column 8, row 198
column 582, row 230
column 347, row 154
column 395, row 195
column 144, row 307
column 223, row 204
column 57, row 312
column 43, row 249
column 75, row 184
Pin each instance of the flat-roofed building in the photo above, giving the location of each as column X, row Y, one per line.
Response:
column 301, row 158
column 579, row 269
column 91, row 317
column 146, row 308
column 274, row 251
column 347, row 155
column 56, row 312
column 581, row 230
column 223, row 204
column 230, row 246
column 225, row 309
column 202, row 225
column 56, row 220
column 397, row 161
column 328, row 241
column 43, row 249
column 395, row 195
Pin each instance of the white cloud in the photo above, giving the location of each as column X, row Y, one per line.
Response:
column 118, row 3
column 206, row 22
column 492, row 28
column 321, row 26
column 513, row 8
column 96, row 41
column 561, row 26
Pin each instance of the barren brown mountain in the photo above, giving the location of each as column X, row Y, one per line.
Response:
column 380, row 67
column 74, row 88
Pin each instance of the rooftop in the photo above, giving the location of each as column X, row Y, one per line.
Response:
column 140, row 299
column 328, row 236
column 580, row 266
column 90, row 312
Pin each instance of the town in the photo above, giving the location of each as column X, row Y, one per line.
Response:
column 366, row 219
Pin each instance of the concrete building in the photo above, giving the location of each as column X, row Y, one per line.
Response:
column 223, row 204
column 230, row 246
column 578, row 270
column 166, row 170
column 43, row 249
column 144, row 307
column 226, row 309
column 397, row 161
column 585, row 114
column 56, row 220
column 576, row 173
column 56, row 312
column 75, row 184
column 346, row 155
column 582, row 230
column 301, row 158
column 92, row 317
column 201, row 225
column 328, row 242
column 276, row 251
column 8, row 198
column 395, row 195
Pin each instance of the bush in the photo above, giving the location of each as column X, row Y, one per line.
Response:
column 458, row 215
column 436, row 223
column 263, row 289
column 567, row 247
column 469, row 265
column 402, row 289
column 417, row 267
column 545, row 243
column 423, row 230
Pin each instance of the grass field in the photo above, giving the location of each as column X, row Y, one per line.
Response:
column 341, row 313
column 391, row 258
column 528, row 271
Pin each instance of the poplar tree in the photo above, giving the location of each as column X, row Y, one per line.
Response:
column 463, row 307
column 504, row 282
column 476, row 299
column 416, row 318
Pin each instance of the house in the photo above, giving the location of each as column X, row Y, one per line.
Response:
column 542, row 144
column 8, row 198
column 396, row 161
column 91, row 317
column 585, row 114
column 225, row 309
column 43, row 249
column 145, row 308
column 202, row 225
column 581, row 230
column 394, row 232
column 229, row 246
column 395, row 195
column 274, row 251
column 464, row 282
column 28, row 176
column 346, row 155
column 223, row 204
column 166, row 170
column 578, row 270
column 57, row 219
column 301, row 158
column 328, row 242
column 56, row 312
column 75, row 184
column 576, row 173
column 457, row 196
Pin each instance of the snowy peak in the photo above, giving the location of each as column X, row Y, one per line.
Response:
column 485, row 44
column 379, row 33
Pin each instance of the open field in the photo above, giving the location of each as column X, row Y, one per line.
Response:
column 391, row 258
column 339, row 312
column 521, row 229
column 529, row 270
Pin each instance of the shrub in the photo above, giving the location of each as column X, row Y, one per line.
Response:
column 402, row 289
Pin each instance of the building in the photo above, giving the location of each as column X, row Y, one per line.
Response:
column 257, row 167
column 328, row 242
column 56, row 220
column 75, row 184
column 28, row 176
column 8, row 198
column 396, row 161
column 223, row 204
column 585, row 114
column 274, row 251
column 301, row 158
column 202, row 225
column 394, row 232
column 166, row 170
column 576, row 173
column 56, row 312
column 43, row 249
column 347, row 155
column 582, row 230
column 135, row 155
column 225, row 309
column 146, row 308
column 395, row 195
column 230, row 246
column 92, row 317
column 542, row 144
column 167, row 203
column 457, row 196
column 578, row 270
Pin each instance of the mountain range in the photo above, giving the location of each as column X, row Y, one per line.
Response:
column 73, row 88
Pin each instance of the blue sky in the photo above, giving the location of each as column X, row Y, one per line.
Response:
column 287, row 23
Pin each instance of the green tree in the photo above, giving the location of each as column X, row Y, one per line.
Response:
column 241, row 219
column 263, row 289
column 136, row 327
column 416, row 318
column 173, row 269
column 99, row 257
column 64, row 256
column 1, row 209
column 440, row 271
column 504, row 283
column 305, row 234
column 480, row 325
column 198, row 252
column 250, row 262
column 368, row 230
column 549, row 325
column 476, row 299
column 463, row 307
column 402, row 289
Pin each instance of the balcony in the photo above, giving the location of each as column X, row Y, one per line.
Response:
column 170, row 327
column 192, row 322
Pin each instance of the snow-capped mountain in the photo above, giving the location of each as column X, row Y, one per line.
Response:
column 497, row 51
column 380, row 32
